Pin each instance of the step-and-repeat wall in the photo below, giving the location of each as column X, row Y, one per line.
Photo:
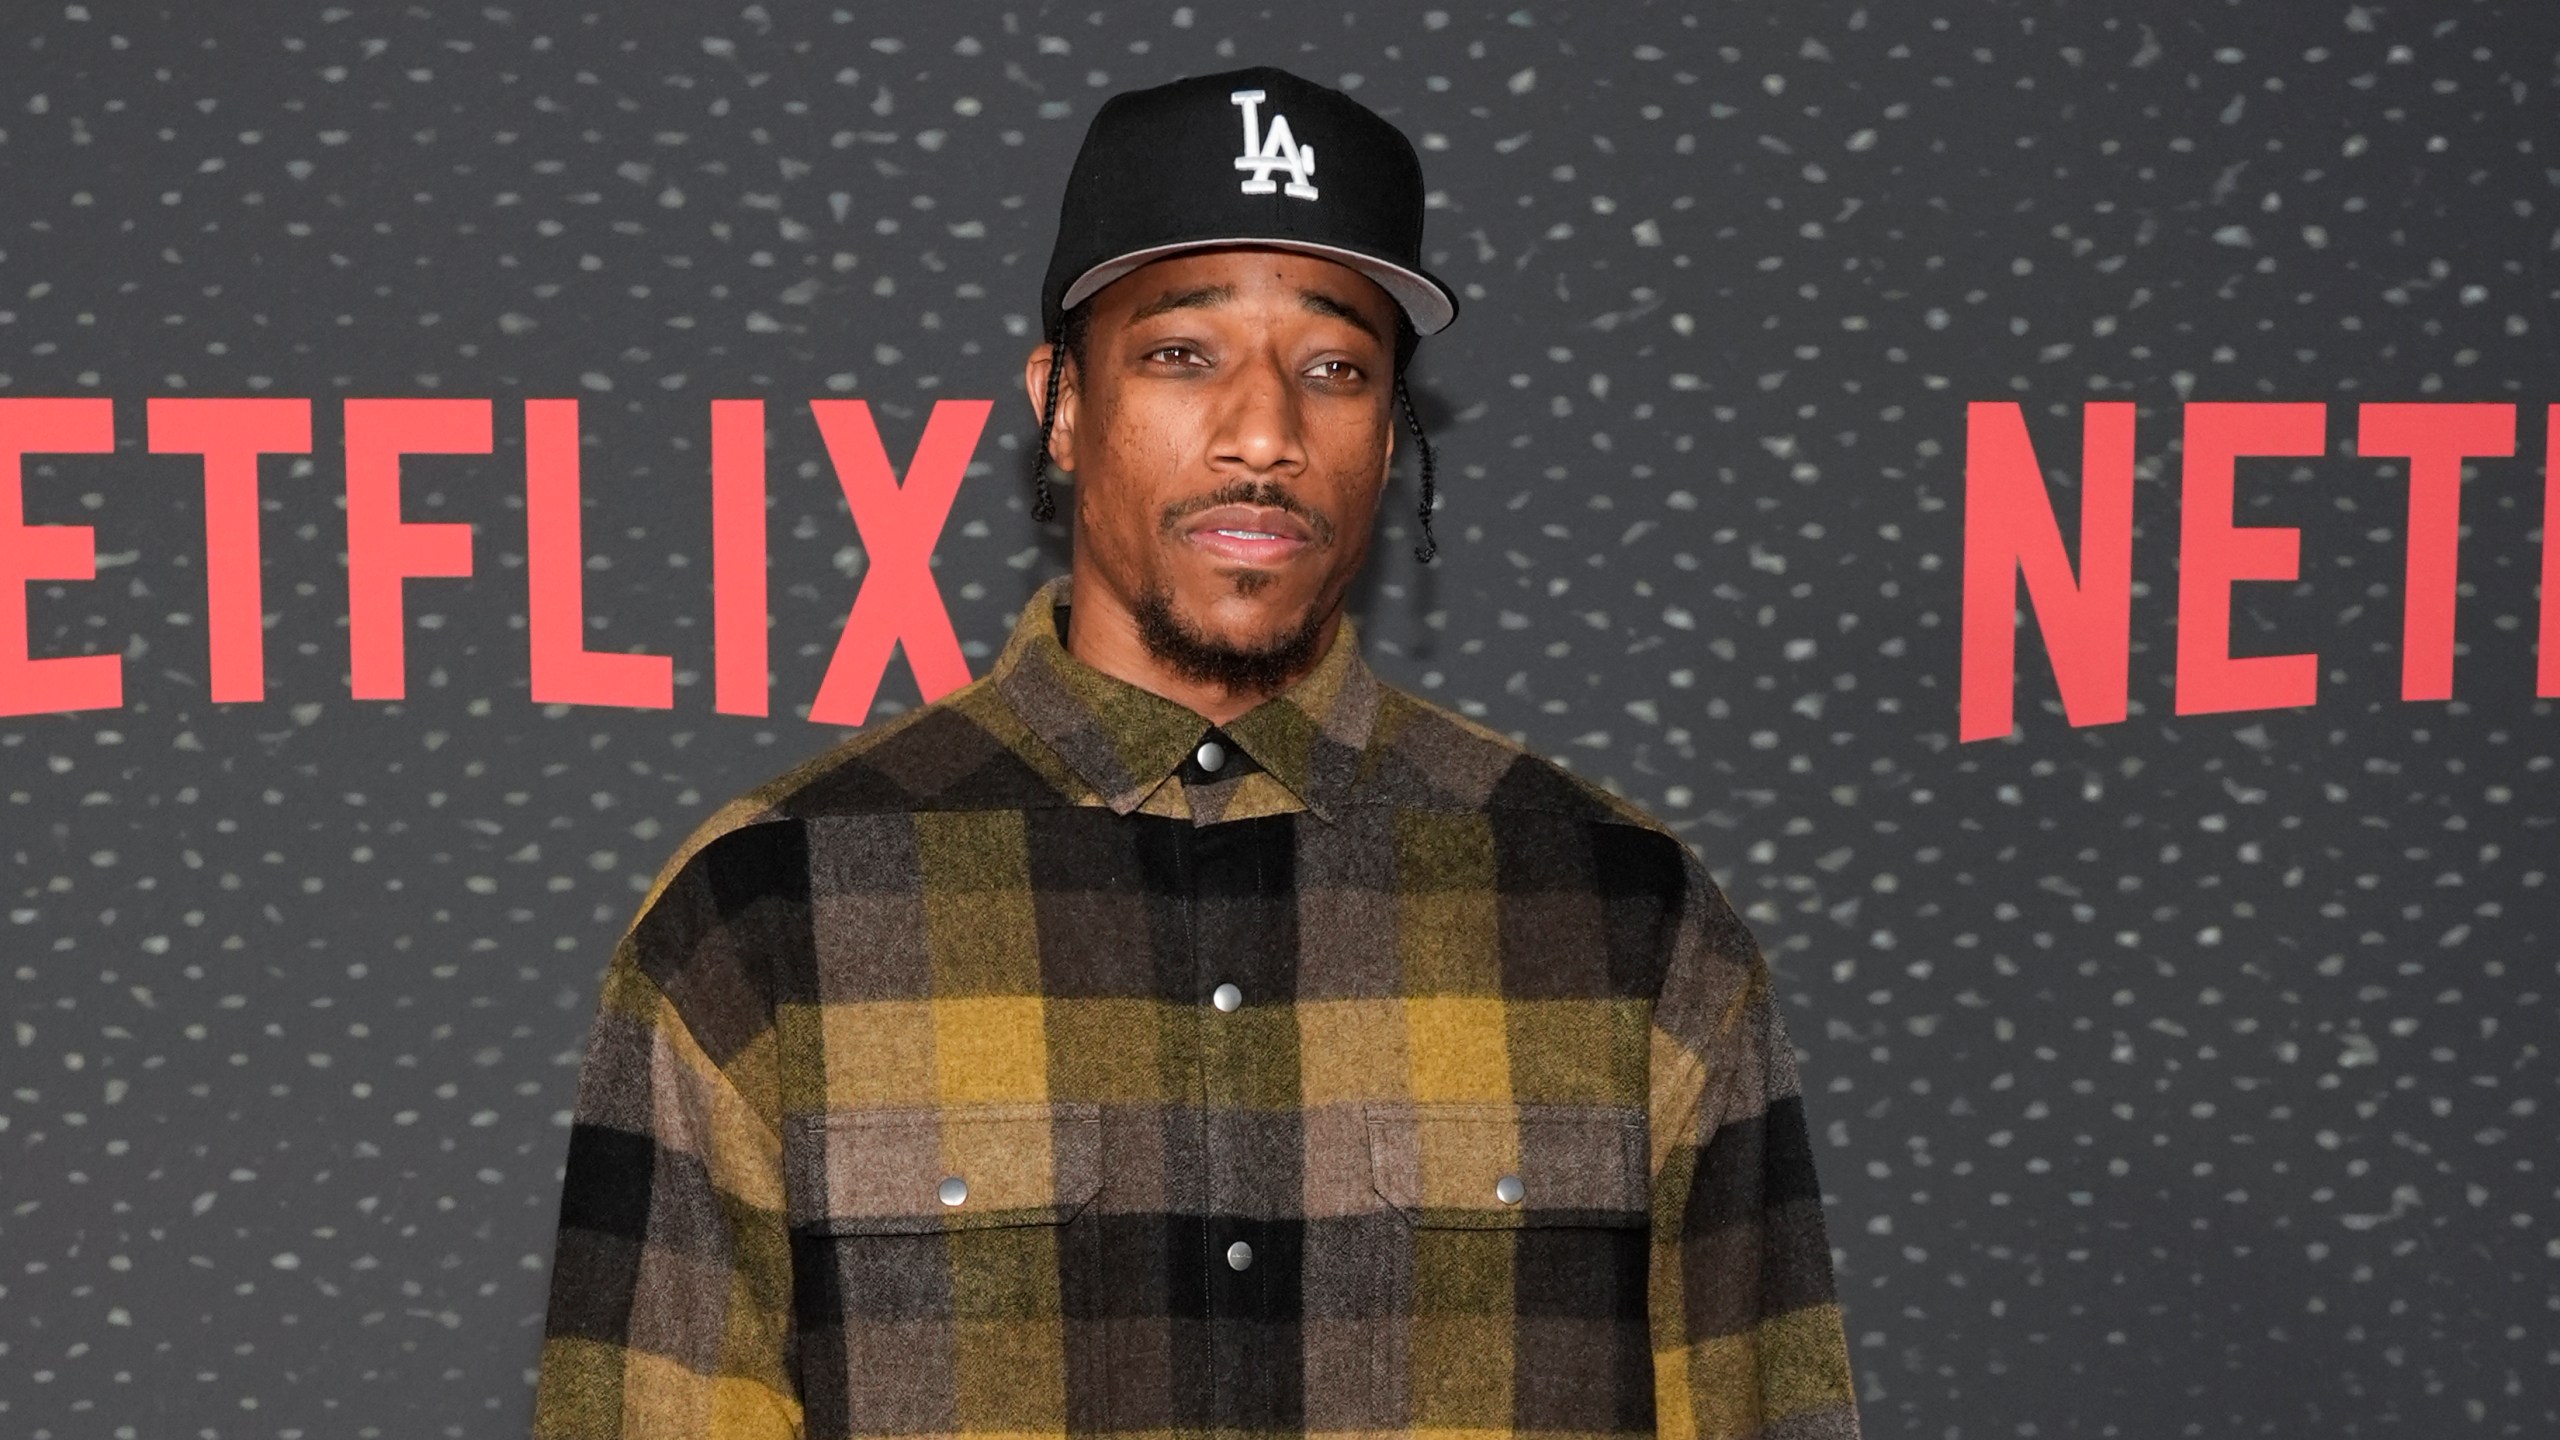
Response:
column 2049, row 499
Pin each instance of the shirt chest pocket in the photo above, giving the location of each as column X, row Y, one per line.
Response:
column 926, row 1214
column 1521, row 1232
column 1509, row 1167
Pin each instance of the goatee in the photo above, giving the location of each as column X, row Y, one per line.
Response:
column 1264, row 669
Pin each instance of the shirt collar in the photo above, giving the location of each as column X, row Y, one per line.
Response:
column 1125, row 741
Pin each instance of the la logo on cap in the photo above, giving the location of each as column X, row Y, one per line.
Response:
column 1273, row 149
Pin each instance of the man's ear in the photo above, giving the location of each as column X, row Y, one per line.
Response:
column 1035, row 384
column 1395, row 412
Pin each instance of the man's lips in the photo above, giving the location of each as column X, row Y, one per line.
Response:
column 1248, row 534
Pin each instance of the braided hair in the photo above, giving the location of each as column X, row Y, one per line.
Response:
column 1066, row 339
column 1428, row 546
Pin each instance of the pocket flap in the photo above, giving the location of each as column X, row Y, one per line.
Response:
column 1495, row 1167
column 884, row 1171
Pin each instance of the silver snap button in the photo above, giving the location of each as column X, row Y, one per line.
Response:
column 1239, row 1255
column 953, row 1190
column 1226, row 997
column 1508, row 1190
column 1211, row 755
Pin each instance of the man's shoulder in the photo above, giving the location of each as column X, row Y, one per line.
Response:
column 964, row 751
column 1432, row 755
column 1470, row 766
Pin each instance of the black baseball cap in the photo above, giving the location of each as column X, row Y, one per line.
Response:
column 1246, row 157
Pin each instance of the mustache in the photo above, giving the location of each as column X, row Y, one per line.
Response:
column 1267, row 493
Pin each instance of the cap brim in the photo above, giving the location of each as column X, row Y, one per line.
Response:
column 1425, row 303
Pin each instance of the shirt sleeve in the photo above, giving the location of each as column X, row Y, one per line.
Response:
column 1747, row 1332
column 670, row 1309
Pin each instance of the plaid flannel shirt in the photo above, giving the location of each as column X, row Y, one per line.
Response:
column 1020, row 1068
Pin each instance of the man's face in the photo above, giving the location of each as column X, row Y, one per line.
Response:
column 1229, row 431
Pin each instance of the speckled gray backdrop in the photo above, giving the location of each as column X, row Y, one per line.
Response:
column 2186, row 1076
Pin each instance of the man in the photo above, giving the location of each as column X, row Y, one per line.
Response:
column 1178, row 1030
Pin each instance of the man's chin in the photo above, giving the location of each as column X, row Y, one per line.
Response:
column 1252, row 645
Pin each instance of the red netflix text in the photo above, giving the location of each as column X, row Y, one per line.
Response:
column 2086, row 618
column 897, row 607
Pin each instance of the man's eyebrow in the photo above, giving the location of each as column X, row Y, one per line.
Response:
column 1324, row 304
column 1193, row 299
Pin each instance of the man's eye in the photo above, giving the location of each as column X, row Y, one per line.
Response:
column 1337, row 370
column 1173, row 354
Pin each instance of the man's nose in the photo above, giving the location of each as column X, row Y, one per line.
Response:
column 1259, row 426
